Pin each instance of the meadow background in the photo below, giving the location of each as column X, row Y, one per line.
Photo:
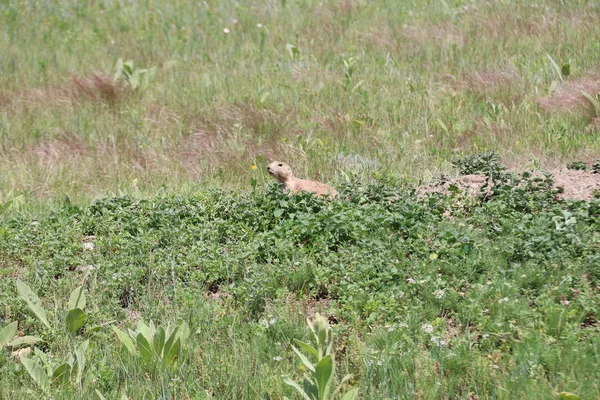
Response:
column 159, row 163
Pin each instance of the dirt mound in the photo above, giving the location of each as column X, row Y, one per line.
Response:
column 576, row 185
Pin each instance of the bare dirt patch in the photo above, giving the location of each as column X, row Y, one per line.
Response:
column 576, row 185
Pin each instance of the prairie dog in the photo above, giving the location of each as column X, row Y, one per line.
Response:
column 283, row 173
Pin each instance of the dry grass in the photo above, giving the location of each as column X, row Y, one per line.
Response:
column 569, row 96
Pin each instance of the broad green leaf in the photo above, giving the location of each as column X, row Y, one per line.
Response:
column 173, row 351
column 293, row 384
column 75, row 320
column 159, row 340
column 7, row 333
column 33, row 301
column 144, row 347
column 125, row 339
column 147, row 331
column 77, row 298
column 184, row 332
column 351, row 394
column 61, row 373
column 81, row 359
column 308, row 348
column 36, row 372
column 310, row 388
column 323, row 375
column 24, row 340
column 171, row 341
column 304, row 360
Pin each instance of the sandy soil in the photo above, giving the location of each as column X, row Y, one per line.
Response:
column 578, row 185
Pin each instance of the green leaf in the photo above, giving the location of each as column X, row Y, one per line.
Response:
column 308, row 348
column 125, row 339
column 323, row 375
column 32, row 301
column 304, row 359
column 61, row 373
column 80, row 359
column 77, row 298
column 147, row 331
column 351, row 394
column 310, row 388
column 555, row 66
column 100, row 395
column 75, row 320
column 292, row 50
column 184, row 332
column 7, row 333
column 595, row 102
column 293, row 384
column 171, row 341
column 118, row 70
column 24, row 340
column 36, row 372
column 567, row 396
column 159, row 340
column 144, row 347
column 172, row 352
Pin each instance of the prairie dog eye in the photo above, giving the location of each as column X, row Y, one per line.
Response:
column 281, row 165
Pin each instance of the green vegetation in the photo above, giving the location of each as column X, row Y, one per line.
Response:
column 110, row 98
column 438, row 296
column 144, row 253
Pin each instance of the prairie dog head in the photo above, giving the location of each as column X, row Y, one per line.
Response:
column 280, row 171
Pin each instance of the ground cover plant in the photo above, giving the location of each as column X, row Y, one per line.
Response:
column 492, row 296
column 145, row 253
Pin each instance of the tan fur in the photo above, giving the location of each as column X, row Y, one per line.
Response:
column 283, row 173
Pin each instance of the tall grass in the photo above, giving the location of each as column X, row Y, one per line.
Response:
column 327, row 86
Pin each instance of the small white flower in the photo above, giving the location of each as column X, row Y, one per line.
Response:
column 504, row 300
column 259, row 25
column 427, row 328
column 226, row 30
column 564, row 302
column 439, row 293
column 264, row 322
column 379, row 362
column 277, row 358
column 439, row 341
column 410, row 280
column 88, row 246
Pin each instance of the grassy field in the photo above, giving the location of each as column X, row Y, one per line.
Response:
column 134, row 138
